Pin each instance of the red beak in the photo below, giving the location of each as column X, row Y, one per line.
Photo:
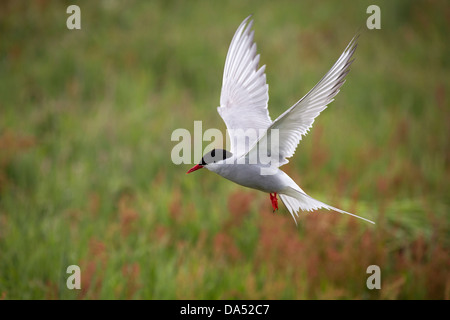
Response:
column 194, row 168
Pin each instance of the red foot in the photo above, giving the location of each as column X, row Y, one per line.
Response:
column 273, row 198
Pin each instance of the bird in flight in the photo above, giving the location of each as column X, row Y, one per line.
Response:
column 258, row 145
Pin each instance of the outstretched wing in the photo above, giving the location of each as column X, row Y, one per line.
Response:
column 244, row 96
column 286, row 132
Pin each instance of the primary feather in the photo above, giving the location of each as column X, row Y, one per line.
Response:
column 244, row 96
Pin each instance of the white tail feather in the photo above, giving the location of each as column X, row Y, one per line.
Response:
column 296, row 200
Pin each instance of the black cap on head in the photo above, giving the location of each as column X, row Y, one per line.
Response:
column 214, row 156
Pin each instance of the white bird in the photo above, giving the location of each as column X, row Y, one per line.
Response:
column 254, row 136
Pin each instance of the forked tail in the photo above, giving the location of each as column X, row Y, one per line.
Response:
column 296, row 200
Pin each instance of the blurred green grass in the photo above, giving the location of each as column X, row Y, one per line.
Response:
column 86, row 177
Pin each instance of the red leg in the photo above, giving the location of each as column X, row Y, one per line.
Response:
column 274, row 200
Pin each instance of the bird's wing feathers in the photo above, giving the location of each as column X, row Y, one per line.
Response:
column 244, row 96
column 295, row 122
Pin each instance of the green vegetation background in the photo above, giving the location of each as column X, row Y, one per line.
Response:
column 85, row 140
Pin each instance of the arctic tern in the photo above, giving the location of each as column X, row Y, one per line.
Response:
column 243, row 107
